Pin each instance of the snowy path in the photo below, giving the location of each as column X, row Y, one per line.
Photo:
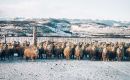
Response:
column 64, row 70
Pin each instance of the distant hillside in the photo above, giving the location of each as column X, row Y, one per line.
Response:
column 24, row 28
column 63, row 27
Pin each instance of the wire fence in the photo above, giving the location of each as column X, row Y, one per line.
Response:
column 66, row 39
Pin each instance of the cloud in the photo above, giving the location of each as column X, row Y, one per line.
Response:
column 1, row 13
column 110, row 9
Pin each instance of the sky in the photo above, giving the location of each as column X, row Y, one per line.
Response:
column 73, row 9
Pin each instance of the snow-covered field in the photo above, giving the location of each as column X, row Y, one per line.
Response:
column 60, row 39
column 64, row 70
column 95, row 29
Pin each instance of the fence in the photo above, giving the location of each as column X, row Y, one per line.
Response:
column 67, row 39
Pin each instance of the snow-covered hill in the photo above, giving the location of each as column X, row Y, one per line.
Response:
column 98, row 29
column 45, row 27
column 64, row 27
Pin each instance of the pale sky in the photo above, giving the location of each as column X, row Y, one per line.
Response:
column 80, row 9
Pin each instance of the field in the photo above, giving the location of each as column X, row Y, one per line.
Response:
column 67, row 39
column 64, row 70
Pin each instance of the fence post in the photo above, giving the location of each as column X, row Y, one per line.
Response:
column 34, row 35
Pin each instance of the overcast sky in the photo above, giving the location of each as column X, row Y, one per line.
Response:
column 83, row 9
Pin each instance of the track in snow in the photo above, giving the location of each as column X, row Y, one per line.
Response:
column 64, row 70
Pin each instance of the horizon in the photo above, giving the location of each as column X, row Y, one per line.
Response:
column 117, row 10
column 8, row 18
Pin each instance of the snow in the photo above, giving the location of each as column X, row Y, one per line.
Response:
column 64, row 70
column 58, row 32
column 61, row 39
column 99, row 29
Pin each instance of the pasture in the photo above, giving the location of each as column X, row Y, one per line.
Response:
column 54, row 68
column 64, row 70
column 66, row 39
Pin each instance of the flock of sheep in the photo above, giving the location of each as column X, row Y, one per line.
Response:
column 46, row 50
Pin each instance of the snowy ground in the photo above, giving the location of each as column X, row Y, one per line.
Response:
column 64, row 70
column 61, row 39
